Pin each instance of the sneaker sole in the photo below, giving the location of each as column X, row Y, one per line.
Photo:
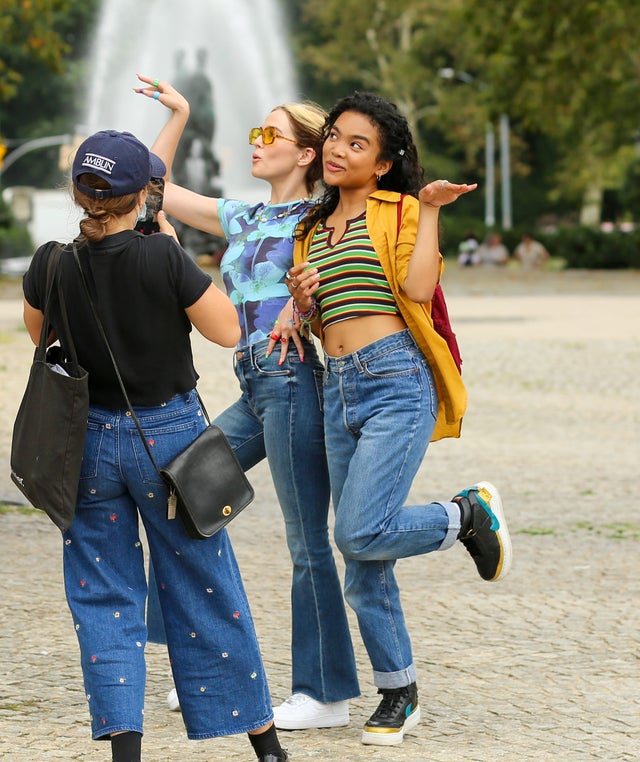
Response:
column 317, row 725
column 311, row 724
column 495, row 504
column 381, row 737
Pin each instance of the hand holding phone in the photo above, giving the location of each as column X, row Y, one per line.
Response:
column 149, row 223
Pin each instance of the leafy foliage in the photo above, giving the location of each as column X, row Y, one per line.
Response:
column 42, row 77
column 567, row 70
column 28, row 35
column 566, row 73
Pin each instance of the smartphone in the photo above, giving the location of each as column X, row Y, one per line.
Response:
column 155, row 192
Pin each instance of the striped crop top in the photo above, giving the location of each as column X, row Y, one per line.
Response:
column 352, row 281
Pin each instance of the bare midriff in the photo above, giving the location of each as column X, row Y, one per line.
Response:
column 350, row 335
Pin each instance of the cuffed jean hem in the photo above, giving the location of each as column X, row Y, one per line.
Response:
column 396, row 679
column 231, row 732
column 453, row 514
column 105, row 735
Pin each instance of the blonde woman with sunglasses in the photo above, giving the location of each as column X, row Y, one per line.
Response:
column 279, row 413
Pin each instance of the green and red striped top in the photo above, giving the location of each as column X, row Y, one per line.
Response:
column 352, row 281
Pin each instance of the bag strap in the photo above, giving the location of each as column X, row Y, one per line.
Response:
column 52, row 267
column 439, row 311
column 399, row 209
column 115, row 364
column 54, row 278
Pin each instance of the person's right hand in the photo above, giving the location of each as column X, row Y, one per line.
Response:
column 285, row 329
column 303, row 281
column 166, row 94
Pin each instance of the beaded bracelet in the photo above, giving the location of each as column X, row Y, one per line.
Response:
column 307, row 317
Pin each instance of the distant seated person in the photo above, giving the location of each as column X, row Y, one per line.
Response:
column 467, row 250
column 530, row 253
column 492, row 252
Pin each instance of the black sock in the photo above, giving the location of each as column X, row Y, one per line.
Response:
column 266, row 743
column 126, row 747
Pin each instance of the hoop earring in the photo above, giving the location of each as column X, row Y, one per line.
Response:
column 378, row 177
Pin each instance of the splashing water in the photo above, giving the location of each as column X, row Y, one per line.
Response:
column 248, row 64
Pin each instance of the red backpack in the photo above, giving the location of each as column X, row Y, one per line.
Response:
column 440, row 314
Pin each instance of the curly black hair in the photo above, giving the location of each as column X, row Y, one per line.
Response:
column 396, row 145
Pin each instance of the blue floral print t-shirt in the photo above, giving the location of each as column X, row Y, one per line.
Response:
column 259, row 253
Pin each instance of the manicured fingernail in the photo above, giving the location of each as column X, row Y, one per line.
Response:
column 267, row 354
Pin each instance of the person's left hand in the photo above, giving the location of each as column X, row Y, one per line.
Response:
column 441, row 192
column 162, row 91
column 286, row 329
column 165, row 226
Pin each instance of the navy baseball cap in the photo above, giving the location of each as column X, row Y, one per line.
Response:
column 120, row 159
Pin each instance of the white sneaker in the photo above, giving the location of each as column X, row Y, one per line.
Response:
column 300, row 712
column 173, row 701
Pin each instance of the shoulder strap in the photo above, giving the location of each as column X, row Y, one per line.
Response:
column 399, row 208
column 53, row 278
column 115, row 364
column 52, row 270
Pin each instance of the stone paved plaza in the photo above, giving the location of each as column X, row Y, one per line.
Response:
column 544, row 665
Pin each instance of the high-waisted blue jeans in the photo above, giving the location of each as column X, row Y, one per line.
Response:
column 212, row 644
column 380, row 407
column 279, row 416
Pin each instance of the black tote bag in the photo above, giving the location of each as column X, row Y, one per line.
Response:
column 50, row 427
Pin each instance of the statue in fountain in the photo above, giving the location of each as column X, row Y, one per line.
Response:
column 197, row 140
column 196, row 166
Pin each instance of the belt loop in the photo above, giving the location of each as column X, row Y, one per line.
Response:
column 252, row 358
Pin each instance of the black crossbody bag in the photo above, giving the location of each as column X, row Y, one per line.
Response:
column 207, row 485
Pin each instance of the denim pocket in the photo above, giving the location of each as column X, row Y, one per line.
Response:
column 268, row 366
column 395, row 363
column 165, row 443
column 91, row 454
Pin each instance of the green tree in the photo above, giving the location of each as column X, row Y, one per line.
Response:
column 382, row 48
column 42, row 73
column 569, row 71
column 566, row 73
column 28, row 34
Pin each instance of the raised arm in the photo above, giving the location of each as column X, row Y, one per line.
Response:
column 194, row 209
column 424, row 266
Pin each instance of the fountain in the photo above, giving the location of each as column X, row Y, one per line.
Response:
column 247, row 63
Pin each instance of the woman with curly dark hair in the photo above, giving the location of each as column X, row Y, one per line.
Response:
column 366, row 267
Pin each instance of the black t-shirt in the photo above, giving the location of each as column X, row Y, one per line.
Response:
column 140, row 286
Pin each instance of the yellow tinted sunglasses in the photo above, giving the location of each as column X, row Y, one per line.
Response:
column 268, row 134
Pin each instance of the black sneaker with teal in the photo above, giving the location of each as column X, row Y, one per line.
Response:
column 484, row 531
column 398, row 712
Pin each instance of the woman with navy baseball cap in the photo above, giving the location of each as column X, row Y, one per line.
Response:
column 148, row 293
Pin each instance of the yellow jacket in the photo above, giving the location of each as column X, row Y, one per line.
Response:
column 394, row 252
